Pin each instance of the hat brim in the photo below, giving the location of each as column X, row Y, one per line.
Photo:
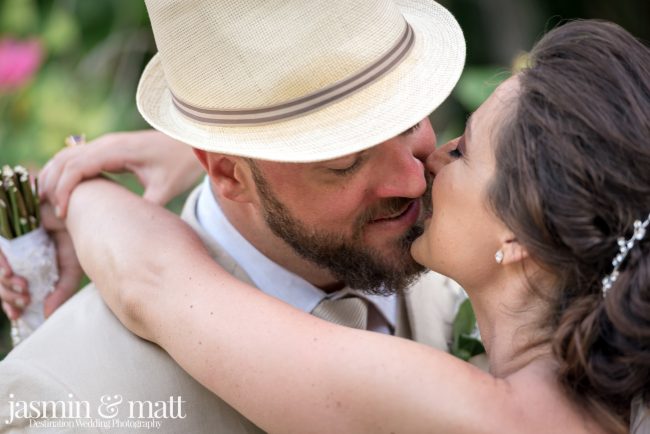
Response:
column 372, row 115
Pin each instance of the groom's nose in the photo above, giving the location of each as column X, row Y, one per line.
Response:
column 400, row 173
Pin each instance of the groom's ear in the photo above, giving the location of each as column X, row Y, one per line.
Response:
column 230, row 175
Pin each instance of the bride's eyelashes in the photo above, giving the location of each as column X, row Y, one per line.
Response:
column 455, row 153
column 459, row 151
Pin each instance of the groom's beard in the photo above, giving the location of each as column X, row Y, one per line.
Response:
column 347, row 258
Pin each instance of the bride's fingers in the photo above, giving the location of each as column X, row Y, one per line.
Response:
column 10, row 283
column 73, row 171
column 10, row 296
column 11, row 312
column 16, row 284
column 5, row 268
column 71, row 166
column 51, row 171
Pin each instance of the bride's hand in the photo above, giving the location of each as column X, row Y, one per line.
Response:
column 164, row 166
column 14, row 291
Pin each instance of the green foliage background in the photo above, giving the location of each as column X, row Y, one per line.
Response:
column 96, row 49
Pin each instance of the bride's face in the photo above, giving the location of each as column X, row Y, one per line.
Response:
column 463, row 234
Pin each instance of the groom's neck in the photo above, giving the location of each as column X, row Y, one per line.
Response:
column 248, row 220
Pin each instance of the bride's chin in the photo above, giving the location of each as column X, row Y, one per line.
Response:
column 418, row 251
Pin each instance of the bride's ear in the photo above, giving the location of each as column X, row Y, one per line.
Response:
column 513, row 252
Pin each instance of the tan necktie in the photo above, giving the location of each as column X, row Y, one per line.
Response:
column 349, row 311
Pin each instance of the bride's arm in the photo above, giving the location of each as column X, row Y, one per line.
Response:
column 284, row 369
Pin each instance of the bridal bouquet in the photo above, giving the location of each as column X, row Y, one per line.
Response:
column 26, row 245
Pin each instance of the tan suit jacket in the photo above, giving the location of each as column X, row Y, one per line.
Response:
column 82, row 354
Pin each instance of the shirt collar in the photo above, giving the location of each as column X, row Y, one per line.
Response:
column 268, row 276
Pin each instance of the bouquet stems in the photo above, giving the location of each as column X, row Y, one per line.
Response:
column 19, row 205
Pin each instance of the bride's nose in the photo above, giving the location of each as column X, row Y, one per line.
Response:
column 440, row 157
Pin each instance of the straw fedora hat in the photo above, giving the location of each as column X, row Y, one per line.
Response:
column 297, row 80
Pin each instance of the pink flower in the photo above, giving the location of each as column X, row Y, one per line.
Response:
column 19, row 60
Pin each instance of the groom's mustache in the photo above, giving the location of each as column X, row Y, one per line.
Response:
column 394, row 206
column 387, row 208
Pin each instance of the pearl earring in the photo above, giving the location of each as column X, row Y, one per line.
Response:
column 498, row 256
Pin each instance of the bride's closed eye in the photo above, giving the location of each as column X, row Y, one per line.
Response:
column 459, row 150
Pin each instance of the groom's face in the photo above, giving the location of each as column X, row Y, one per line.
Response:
column 356, row 215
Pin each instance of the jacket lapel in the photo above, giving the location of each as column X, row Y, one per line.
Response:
column 431, row 305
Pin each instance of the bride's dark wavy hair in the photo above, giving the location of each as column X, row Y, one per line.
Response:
column 572, row 175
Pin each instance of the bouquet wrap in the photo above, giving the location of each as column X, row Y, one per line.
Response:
column 33, row 257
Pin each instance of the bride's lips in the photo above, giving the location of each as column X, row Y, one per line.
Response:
column 403, row 218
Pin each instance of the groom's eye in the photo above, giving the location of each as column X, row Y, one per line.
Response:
column 349, row 169
column 346, row 165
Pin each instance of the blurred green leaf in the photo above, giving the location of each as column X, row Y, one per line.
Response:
column 477, row 83
column 60, row 32
column 453, row 129
column 466, row 343
column 18, row 17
